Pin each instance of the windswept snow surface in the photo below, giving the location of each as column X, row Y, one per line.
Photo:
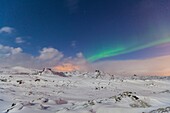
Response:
column 80, row 93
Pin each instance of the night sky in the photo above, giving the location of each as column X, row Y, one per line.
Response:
column 100, row 29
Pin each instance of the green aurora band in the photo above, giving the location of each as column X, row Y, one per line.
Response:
column 124, row 50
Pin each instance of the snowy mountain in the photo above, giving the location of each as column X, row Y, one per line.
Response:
column 24, row 90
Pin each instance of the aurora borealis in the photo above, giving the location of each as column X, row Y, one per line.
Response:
column 124, row 50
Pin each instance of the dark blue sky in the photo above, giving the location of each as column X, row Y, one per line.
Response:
column 92, row 26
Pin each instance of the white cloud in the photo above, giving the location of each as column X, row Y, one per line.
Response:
column 6, row 51
column 79, row 55
column 152, row 66
column 19, row 40
column 10, row 56
column 51, row 57
column 79, row 62
column 7, row 30
column 49, row 54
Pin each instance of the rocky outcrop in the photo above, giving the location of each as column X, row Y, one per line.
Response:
column 51, row 72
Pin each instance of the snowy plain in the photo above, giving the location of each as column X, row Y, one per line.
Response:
column 25, row 91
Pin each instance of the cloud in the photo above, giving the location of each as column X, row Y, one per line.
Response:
column 51, row 57
column 152, row 66
column 7, row 30
column 19, row 40
column 6, row 51
column 10, row 30
column 49, row 54
column 10, row 56
column 79, row 55
column 78, row 63
column 66, row 67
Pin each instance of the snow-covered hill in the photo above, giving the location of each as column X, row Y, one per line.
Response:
column 43, row 91
column 17, row 70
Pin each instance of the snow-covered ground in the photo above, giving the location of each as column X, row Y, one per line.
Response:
column 22, row 92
